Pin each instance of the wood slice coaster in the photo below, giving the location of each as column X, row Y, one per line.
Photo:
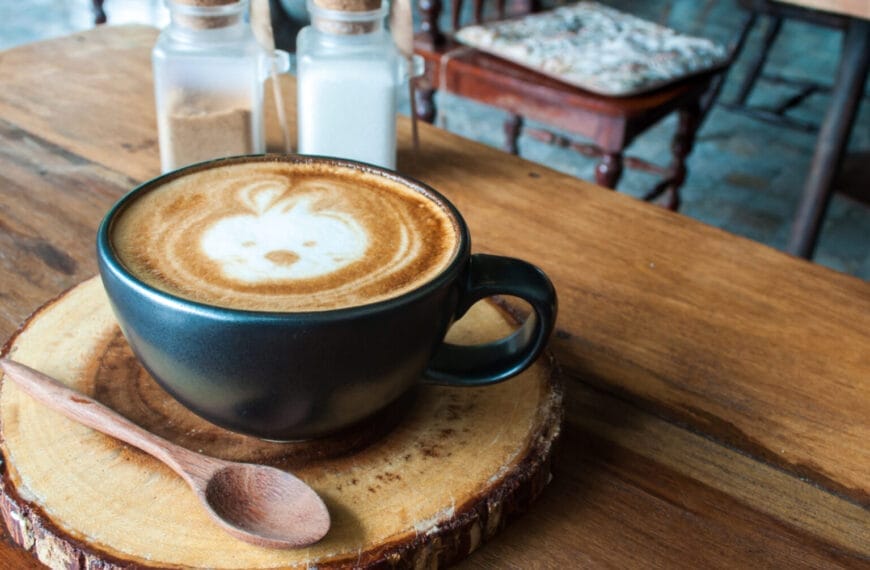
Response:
column 458, row 464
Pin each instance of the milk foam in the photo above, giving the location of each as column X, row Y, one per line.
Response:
column 278, row 236
column 285, row 239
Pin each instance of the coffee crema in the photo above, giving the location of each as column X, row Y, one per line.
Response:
column 281, row 237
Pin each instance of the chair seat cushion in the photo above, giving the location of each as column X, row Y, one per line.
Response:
column 596, row 48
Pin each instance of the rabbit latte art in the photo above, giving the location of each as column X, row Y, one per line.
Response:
column 278, row 236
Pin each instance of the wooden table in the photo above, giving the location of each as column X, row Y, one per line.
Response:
column 853, row 8
column 833, row 136
column 718, row 391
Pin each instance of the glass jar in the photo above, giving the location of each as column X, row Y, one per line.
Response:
column 348, row 77
column 208, row 79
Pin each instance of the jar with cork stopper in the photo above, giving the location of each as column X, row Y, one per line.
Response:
column 209, row 72
column 349, row 73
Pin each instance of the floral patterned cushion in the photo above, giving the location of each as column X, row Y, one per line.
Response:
column 596, row 48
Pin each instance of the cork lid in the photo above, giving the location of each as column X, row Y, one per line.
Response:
column 206, row 14
column 348, row 5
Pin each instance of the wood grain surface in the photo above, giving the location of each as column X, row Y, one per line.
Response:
column 719, row 390
column 454, row 470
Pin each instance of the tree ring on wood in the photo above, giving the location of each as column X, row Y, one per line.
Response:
column 458, row 465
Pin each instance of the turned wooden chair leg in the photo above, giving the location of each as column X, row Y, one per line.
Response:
column 424, row 95
column 513, row 126
column 99, row 13
column 430, row 11
column 609, row 169
column 684, row 140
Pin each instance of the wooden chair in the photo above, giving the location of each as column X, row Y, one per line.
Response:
column 776, row 13
column 611, row 123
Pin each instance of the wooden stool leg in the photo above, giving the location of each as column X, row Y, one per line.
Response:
column 99, row 13
column 609, row 169
column 684, row 140
column 512, row 128
column 424, row 94
column 430, row 11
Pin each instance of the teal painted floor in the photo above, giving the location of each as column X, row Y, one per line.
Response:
column 745, row 176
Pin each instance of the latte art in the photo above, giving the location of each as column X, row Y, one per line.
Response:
column 284, row 237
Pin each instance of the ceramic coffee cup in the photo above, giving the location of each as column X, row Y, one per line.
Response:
column 292, row 297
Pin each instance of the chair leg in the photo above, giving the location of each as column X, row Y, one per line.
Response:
column 513, row 126
column 424, row 95
column 430, row 11
column 609, row 169
column 833, row 138
column 684, row 140
column 758, row 64
column 99, row 13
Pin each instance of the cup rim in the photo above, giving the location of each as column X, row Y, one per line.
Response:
column 110, row 261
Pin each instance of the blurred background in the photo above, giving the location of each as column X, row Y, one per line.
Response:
column 745, row 175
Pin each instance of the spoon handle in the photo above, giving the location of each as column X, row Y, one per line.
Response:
column 93, row 414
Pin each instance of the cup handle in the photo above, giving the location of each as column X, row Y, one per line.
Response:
column 478, row 365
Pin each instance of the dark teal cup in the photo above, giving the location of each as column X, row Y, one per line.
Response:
column 302, row 375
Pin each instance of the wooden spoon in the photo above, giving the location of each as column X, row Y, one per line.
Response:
column 255, row 503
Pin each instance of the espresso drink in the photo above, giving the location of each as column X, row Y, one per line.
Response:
column 278, row 236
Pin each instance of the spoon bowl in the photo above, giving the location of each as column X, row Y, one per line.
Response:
column 255, row 503
column 267, row 503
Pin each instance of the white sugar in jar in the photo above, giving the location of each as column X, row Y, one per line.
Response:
column 348, row 78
